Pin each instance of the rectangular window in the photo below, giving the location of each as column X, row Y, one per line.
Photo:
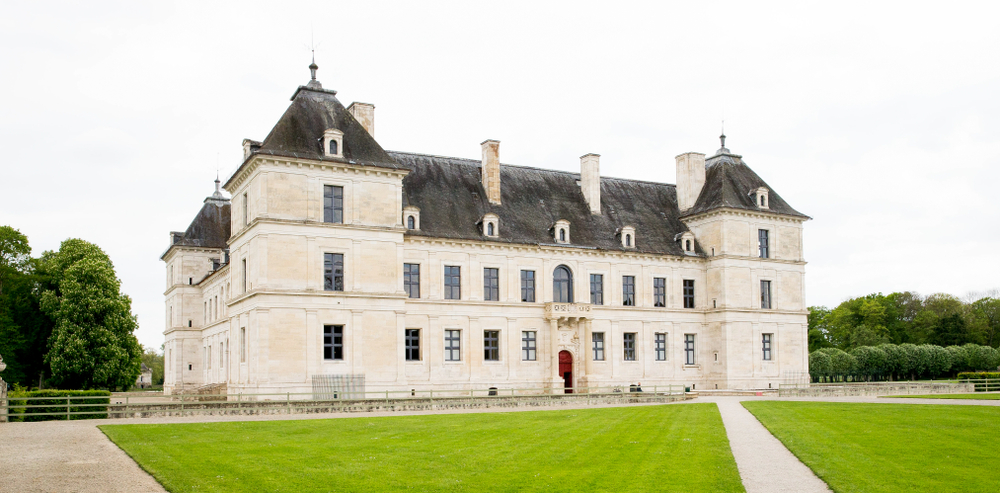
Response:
column 659, row 291
column 491, row 345
column 688, row 349
column 529, row 345
column 243, row 344
column 333, row 342
column 244, row 275
column 333, row 272
column 765, row 294
column 411, row 280
column 333, row 204
column 491, row 284
column 528, row 286
column 209, row 355
column 452, row 282
column 628, row 290
column 688, row 293
column 598, row 346
column 660, row 342
column 412, row 344
column 766, row 346
column 453, row 345
column 246, row 210
column 762, row 243
column 596, row 289
column 629, row 346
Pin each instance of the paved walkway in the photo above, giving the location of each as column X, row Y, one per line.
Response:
column 74, row 456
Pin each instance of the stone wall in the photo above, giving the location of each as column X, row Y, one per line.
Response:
column 876, row 389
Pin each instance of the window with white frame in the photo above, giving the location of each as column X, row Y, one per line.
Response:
column 765, row 294
column 766, row 346
column 529, row 348
column 689, row 349
column 412, row 344
column 333, row 342
column 491, row 345
column 628, row 345
column 453, row 345
column 333, row 204
column 598, row 343
column 660, row 345
column 491, row 284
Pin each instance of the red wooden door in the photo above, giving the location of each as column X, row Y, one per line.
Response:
column 566, row 370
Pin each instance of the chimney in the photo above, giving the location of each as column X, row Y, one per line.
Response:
column 690, row 178
column 491, row 170
column 364, row 113
column 590, row 181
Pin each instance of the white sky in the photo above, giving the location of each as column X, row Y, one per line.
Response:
column 878, row 120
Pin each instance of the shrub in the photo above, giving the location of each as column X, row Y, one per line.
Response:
column 819, row 365
column 44, row 398
column 977, row 375
column 894, row 360
column 870, row 362
column 959, row 358
column 938, row 362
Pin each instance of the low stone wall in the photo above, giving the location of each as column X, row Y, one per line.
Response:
column 246, row 408
column 3, row 401
column 876, row 389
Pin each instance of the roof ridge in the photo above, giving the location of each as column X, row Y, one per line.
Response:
column 550, row 170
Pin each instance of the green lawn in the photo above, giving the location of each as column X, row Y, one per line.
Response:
column 890, row 447
column 978, row 396
column 649, row 448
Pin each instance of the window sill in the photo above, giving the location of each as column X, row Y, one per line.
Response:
column 691, row 367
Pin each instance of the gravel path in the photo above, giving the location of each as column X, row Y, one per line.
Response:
column 74, row 456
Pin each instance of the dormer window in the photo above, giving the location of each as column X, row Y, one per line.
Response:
column 687, row 242
column 627, row 236
column 761, row 198
column 561, row 231
column 491, row 225
column 411, row 217
column 333, row 143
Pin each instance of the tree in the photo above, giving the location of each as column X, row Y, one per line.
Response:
column 92, row 343
column 818, row 328
column 819, row 365
column 938, row 360
column 24, row 329
column 950, row 331
column 871, row 362
column 154, row 361
column 985, row 320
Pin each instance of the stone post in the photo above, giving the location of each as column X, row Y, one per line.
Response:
column 3, row 394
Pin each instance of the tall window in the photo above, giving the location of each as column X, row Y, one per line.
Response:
column 688, row 293
column 333, row 272
column 411, row 280
column 333, row 342
column 762, row 243
column 562, row 285
column 562, row 235
column 243, row 344
column 659, row 291
column 453, row 345
column 489, row 229
column 491, row 345
column 411, row 223
column 598, row 339
column 209, row 354
column 597, row 289
column 628, row 290
column 246, row 209
column 628, row 240
column 528, row 286
column 452, row 282
column 629, row 346
column 688, row 349
column 765, row 294
column 528, row 345
column 333, row 201
column 412, row 344
column 333, row 147
column 660, row 344
column 766, row 346
column 491, row 284
column 244, row 275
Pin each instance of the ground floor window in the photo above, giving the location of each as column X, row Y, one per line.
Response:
column 660, row 341
column 766, row 346
column 453, row 345
column 529, row 348
column 688, row 349
column 598, row 346
column 333, row 342
column 629, row 346
column 491, row 345
column 412, row 344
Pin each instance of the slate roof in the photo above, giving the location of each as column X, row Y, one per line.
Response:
column 729, row 183
column 451, row 198
column 209, row 229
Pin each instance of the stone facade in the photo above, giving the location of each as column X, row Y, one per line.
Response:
column 708, row 295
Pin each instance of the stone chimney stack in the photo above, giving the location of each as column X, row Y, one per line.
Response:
column 690, row 178
column 590, row 181
column 364, row 113
column 491, row 170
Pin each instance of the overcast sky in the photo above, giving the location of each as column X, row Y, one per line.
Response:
column 878, row 120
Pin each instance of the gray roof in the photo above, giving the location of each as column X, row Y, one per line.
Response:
column 209, row 229
column 730, row 183
column 451, row 198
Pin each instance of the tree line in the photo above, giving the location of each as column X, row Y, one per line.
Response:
column 900, row 362
column 64, row 322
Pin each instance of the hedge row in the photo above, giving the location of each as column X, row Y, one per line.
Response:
column 43, row 398
column 977, row 375
column 905, row 361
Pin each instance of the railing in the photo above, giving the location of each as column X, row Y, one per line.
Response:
column 78, row 407
column 984, row 384
column 326, row 401
column 881, row 388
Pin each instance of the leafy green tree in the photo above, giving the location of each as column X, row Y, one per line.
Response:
column 819, row 365
column 24, row 329
column 959, row 359
column 985, row 319
column 818, row 328
column 870, row 362
column 950, row 331
column 154, row 361
column 896, row 363
column 92, row 343
column 860, row 322
column 938, row 360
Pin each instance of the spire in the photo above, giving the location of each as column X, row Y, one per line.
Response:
column 217, row 196
column 722, row 137
column 312, row 71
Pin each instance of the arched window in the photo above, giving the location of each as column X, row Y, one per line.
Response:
column 562, row 285
column 333, row 146
column 687, row 245
column 763, row 201
column 562, row 235
column 489, row 229
column 628, row 240
column 411, row 223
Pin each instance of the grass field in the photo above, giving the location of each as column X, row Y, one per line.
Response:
column 890, row 447
column 981, row 396
column 648, row 448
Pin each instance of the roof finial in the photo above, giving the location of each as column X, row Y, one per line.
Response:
column 313, row 66
column 722, row 137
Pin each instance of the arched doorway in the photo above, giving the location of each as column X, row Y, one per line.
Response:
column 566, row 370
